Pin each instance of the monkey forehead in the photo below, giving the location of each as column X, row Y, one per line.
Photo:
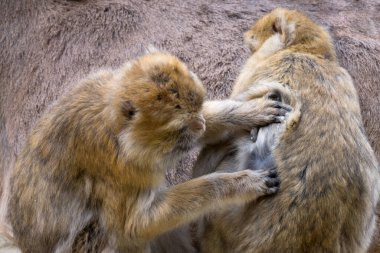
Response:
column 162, row 67
column 165, row 72
column 192, row 90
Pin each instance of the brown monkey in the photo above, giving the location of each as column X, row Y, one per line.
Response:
column 91, row 176
column 329, row 173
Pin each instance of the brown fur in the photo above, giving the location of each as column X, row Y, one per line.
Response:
column 329, row 173
column 91, row 176
column 48, row 45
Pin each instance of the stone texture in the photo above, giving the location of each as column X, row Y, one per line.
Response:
column 46, row 46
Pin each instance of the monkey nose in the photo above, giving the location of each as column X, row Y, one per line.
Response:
column 197, row 124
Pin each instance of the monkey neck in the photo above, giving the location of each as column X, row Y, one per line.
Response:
column 315, row 47
column 142, row 178
column 140, row 161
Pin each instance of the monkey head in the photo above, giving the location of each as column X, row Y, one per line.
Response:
column 293, row 30
column 160, row 101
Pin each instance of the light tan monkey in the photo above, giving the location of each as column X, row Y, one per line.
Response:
column 91, row 175
column 329, row 174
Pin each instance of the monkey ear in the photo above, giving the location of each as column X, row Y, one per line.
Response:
column 250, row 41
column 277, row 25
column 282, row 26
column 128, row 109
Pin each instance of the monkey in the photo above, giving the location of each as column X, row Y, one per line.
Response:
column 328, row 171
column 91, row 176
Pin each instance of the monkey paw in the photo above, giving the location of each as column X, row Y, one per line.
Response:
column 268, row 181
column 264, row 112
column 274, row 111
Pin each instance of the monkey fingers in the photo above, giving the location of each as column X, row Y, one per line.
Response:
column 270, row 179
column 262, row 112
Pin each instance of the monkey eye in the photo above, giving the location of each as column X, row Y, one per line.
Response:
column 131, row 113
column 178, row 107
column 128, row 109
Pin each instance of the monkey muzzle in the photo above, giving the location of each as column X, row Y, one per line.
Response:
column 189, row 134
column 197, row 125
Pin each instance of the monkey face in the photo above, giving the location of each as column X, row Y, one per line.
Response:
column 164, row 101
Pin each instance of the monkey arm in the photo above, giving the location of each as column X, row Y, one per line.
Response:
column 221, row 119
column 225, row 117
column 211, row 156
column 185, row 202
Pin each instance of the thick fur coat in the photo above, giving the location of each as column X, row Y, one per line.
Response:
column 47, row 46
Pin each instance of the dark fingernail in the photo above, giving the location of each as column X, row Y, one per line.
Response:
column 287, row 108
column 272, row 174
column 274, row 96
column 274, row 190
column 269, row 183
column 283, row 112
column 279, row 119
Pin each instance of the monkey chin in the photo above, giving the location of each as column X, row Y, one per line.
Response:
column 187, row 140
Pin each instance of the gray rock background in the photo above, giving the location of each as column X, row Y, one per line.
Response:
column 47, row 46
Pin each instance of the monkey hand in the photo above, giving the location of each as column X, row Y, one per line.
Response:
column 262, row 112
column 256, row 183
column 269, row 182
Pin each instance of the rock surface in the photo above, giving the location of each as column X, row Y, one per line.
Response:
column 47, row 46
